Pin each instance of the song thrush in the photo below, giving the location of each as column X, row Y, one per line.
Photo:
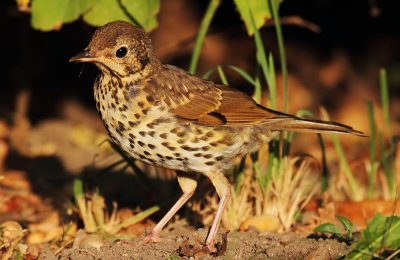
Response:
column 164, row 116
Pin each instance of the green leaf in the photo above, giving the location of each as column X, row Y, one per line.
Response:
column 105, row 11
column 142, row 13
column 259, row 9
column 328, row 228
column 348, row 226
column 381, row 233
column 50, row 15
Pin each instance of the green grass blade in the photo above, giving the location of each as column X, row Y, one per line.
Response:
column 138, row 217
column 222, row 75
column 387, row 165
column 204, row 25
column 239, row 175
column 387, row 153
column 274, row 7
column 373, row 166
column 244, row 75
column 385, row 102
column 344, row 165
column 78, row 188
column 354, row 187
column 372, row 125
column 263, row 61
column 86, row 215
column 325, row 170
column 272, row 80
column 257, row 89
column 208, row 73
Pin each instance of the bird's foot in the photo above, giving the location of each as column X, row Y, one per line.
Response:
column 153, row 237
column 211, row 247
column 217, row 249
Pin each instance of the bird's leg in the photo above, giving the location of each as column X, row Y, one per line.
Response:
column 188, row 186
column 222, row 187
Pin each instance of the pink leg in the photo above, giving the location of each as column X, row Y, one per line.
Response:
column 188, row 186
column 222, row 187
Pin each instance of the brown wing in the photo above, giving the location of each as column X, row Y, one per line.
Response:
column 237, row 108
column 187, row 96
column 204, row 103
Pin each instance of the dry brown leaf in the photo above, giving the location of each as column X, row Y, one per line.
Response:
column 15, row 180
column 261, row 223
column 359, row 212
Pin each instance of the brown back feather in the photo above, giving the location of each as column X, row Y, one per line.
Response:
column 205, row 103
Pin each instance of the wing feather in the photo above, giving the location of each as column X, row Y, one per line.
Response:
column 205, row 103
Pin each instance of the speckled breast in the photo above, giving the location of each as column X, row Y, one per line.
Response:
column 145, row 130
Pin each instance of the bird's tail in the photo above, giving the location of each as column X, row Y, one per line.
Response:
column 311, row 126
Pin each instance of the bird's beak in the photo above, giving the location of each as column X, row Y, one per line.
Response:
column 83, row 57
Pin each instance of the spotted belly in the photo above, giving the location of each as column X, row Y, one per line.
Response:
column 165, row 143
column 149, row 133
column 169, row 143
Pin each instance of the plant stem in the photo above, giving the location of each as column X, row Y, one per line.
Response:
column 274, row 7
column 138, row 217
column 325, row 172
column 222, row 76
column 84, row 209
column 387, row 153
column 205, row 23
column 385, row 102
column 373, row 166
column 354, row 187
column 266, row 65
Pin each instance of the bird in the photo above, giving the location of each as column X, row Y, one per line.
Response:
column 164, row 116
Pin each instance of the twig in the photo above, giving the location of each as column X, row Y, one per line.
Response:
column 298, row 21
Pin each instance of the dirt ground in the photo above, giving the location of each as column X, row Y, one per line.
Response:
column 183, row 243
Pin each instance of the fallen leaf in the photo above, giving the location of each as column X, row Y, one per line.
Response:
column 261, row 223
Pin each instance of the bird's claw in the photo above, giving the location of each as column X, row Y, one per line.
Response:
column 153, row 237
column 211, row 248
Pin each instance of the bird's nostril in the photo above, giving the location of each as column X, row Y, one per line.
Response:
column 87, row 51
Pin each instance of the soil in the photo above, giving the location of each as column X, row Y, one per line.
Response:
column 184, row 243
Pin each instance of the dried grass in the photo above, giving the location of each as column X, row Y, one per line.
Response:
column 286, row 196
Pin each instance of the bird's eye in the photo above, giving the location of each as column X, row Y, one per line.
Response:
column 121, row 52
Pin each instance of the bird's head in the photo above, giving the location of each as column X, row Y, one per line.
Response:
column 120, row 48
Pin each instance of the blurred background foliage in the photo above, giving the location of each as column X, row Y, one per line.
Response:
column 344, row 42
column 333, row 56
column 51, row 15
column 334, row 51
